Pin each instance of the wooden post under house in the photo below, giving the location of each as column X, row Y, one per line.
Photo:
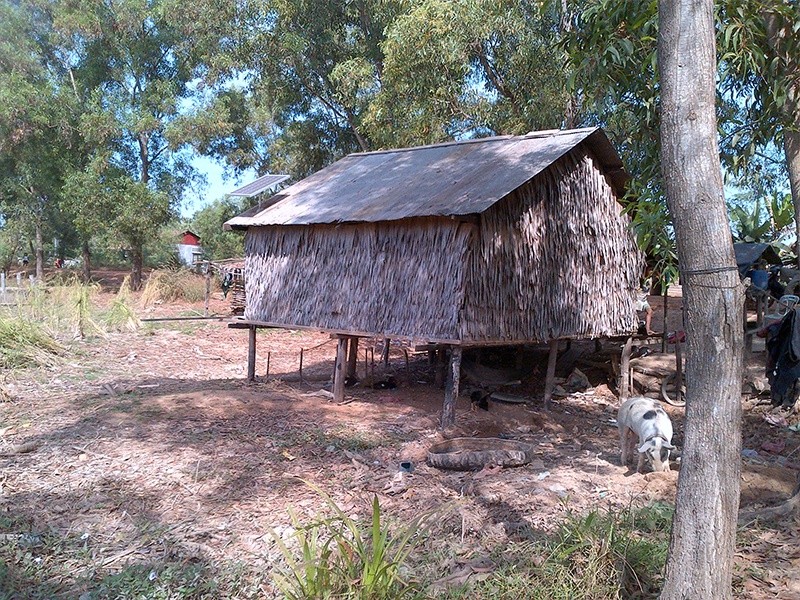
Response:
column 251, row 353
column 549, row 381
column 352, row 356
column 339, row 369
column 451, row 388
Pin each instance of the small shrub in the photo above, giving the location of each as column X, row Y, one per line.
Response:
column 600, row 556
column 339, row 557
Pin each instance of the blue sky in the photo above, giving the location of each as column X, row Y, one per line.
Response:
column 219, row 184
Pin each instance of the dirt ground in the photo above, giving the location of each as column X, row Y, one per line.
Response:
column 152, row 443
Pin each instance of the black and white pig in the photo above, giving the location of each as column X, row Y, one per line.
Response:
column 647, row 419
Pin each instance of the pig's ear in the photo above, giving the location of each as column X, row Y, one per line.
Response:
column 647, row 445
column 668, row 446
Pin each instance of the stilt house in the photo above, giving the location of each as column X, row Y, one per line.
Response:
column 502, row 240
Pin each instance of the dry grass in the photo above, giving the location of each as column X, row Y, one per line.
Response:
column 121, row 316
column 25, row 343
column 168, row 285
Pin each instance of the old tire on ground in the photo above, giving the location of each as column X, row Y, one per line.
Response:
column 469, row 454
column 670, row 393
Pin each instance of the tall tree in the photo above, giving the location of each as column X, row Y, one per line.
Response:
column 136, row 69
column 36, row 125
column 612, row 49
column 314, row 67
column 469, row 67
column 782, row 22
column 700, row 562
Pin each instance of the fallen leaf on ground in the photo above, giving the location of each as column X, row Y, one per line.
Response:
column 776, row 420
column 488, row 470
column 774, row 447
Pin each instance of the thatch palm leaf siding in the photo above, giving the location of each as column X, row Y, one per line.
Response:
column 400, row 279
column 553, row 259
column 499, row 240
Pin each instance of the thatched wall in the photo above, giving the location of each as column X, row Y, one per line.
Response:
column 553, row 259
column 400, row 279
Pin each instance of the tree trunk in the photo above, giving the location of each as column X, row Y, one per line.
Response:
column 137, row 260
column 87, row 261
column 703, row 532
column 39, row 251
column 791, row 149
column 778, row 31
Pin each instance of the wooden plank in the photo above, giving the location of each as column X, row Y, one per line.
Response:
column 207, row 318
column 624, row 385
column 339, row 370
column 251, row 354
column 549, row 381
column 451, row 389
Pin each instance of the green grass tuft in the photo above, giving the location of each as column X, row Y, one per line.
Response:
column 341, row 557
column 600, row 556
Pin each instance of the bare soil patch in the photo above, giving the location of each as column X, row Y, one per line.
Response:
column 152, row 444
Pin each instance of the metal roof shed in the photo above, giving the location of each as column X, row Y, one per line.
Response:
column 499, row 240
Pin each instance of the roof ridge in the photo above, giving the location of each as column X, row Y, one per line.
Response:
column 555, row 132
column 493, row 138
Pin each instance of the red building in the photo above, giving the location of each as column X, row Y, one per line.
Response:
column 189, row 249
column 190, row 239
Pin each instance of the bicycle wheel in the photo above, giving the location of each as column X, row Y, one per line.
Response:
column 670, row 393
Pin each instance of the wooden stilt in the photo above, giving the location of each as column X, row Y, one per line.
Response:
column 339, row 370
column 251, row 354
column 352, row 356
column 301, row 365
column 385, row 353
column 748, row 339
column 439, row 373
column 208, row 289
column 624, row 386
column 269, row 356
column 549, row 380
column 451, row 389
column 372, row 364
column 678, row 372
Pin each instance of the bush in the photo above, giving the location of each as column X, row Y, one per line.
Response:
column 600, row 556
column 339, row 557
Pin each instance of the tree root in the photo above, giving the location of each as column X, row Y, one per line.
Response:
column 784, row 509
